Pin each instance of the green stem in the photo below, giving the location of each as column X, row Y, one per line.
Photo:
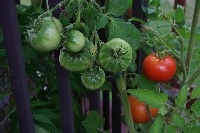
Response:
column 176, row 31
column 106, row 5
column 47, row 4
column 79, row 11
column 192, row 35
column 53, row 9
column 193, row 77
column 125, row 104
column 149, row 113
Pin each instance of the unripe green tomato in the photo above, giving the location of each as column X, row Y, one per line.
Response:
column 78, row 61
column 115, row 56
column 93, row 78
column 45, row 36
column 75, row 41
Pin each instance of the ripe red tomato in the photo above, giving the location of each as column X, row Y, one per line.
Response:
column 139, row 111
column 157, row 69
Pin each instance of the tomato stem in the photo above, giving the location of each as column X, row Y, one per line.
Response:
column 125, row 104
column 149, row 113
column 192, row 35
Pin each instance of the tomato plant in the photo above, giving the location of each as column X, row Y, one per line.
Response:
column 139, row 110
column 159, row 69
column 83, row 52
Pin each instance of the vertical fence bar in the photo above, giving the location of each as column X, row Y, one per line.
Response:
column 138, row 13
column 64, row 87
column 11, row 33
column 94, row 100
column 116, row 110
column 106, row 109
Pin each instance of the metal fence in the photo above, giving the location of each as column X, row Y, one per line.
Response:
column 13, row 46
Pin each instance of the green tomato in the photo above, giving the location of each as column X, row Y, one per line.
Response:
column 78, row 61
column 115, row 56
column 45, row 36
column 75, row 41
column 93, row 78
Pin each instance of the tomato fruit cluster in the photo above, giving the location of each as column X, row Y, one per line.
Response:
column 139, row 110
column 159, row 69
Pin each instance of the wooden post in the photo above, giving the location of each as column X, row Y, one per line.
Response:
column 13, row 45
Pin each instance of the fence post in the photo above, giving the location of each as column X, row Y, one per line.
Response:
column 12, row 41
column 64, row 87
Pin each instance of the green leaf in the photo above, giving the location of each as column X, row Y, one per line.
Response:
column 93, row 122
column 126, row 31
column 93, row 19
column 82, row 27
column 43, row 119
column 155, row 3
column 132, row 67
column 75, row 105
column 195, row 93
column 47, row 112
column 170, row 128
column 29, row 53
column 38, row 129
column 149, row 97
column 182, row 96
column 145, row 83
column 192, row 130
column 157, row 126
column 179, row 14
column 196, row 108
column 178, row 120
column 118, row 7
column 39, row 103
column 137, row 19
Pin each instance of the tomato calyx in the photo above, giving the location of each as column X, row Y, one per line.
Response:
column 161, row 55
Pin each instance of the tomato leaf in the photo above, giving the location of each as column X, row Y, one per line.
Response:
column 132, row 67
column 195, row 93
column 149, row 97
column 43, row 119
column 170, row 128
column 195, row 107
column 126, row 31
column 195, row 129
column 182, row 96
column 118, row 7
column 157, row 126
column 38, row 129
column 93, row 18
column 179, row 14
column 91, row 124
column 178, row 121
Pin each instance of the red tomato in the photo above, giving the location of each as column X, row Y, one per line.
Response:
column 159, row 70
column 139, row 111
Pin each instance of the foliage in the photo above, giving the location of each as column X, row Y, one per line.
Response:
column 89, row 18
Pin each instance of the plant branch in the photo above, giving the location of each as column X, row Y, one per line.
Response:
column 125, row 104
column 193, row 77
column 176, row 31
column 192, row 35
column 149, row 113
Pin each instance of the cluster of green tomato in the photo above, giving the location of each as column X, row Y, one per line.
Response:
column 78, row 53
